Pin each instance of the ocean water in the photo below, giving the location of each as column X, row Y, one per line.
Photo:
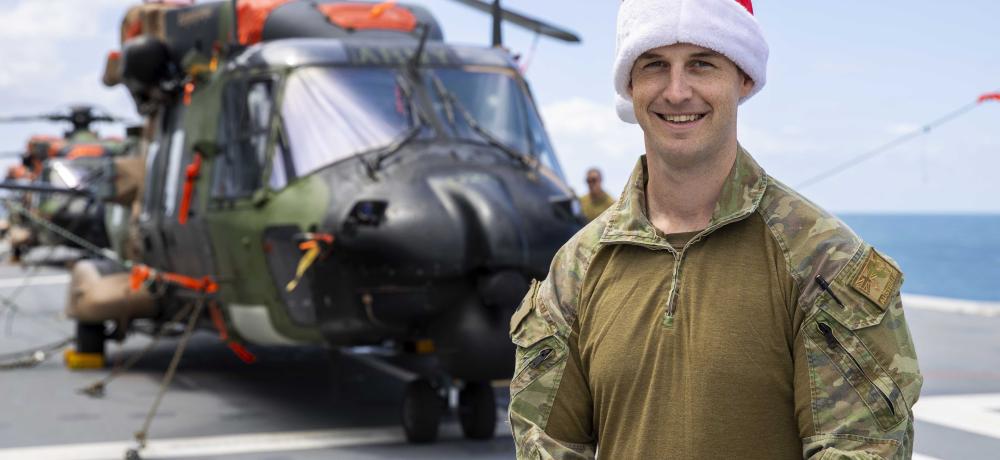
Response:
column 955, row 256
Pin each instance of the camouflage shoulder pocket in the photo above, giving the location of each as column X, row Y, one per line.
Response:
column 539, row 347
column 854, row 347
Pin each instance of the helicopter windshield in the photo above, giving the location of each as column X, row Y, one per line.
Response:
column 332, row 113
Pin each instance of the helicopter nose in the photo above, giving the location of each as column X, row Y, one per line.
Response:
column 441, row 225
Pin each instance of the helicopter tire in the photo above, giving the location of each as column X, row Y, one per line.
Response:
column 422, row 411
column 477, row 410
column 90, row 337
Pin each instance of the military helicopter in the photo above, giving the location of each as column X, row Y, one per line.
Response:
column 332, row 172
column 79, row 162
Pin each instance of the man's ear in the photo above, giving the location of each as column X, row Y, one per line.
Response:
column 630, row 87
column 746, row 86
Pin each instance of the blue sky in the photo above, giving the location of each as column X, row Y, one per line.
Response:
column 843, row 77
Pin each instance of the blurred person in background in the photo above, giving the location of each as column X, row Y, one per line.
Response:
column 596, row 200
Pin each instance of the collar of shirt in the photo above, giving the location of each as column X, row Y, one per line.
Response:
column 741, row 195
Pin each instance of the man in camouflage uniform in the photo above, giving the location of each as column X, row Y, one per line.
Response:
column 713, row 312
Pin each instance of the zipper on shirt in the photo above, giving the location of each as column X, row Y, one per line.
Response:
column 834, row 343
column 675, row 287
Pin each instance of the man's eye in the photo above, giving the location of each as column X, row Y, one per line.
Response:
column 702, row 64
column 653, row 65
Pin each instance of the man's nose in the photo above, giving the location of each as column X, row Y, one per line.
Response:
column 678, row 89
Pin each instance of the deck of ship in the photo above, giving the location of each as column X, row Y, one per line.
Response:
column 303, row 403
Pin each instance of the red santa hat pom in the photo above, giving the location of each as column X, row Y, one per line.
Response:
column 725, row 26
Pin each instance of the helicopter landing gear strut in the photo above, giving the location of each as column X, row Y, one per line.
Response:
column 90, row 337
column 89, row 347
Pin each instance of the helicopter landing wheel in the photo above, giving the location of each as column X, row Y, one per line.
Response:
column 90, row 338
column 422, row 410
column 477, row 410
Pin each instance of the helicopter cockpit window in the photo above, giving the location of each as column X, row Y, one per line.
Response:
column 244, row 133
column 497, row 103
column 332, row 113
column 540, row 145
column 493, row 99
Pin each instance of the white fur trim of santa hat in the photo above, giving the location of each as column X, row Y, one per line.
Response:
column 725, row 26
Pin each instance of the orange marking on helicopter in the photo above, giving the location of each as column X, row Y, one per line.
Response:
column 989, row 97
column 251, row 15
column 191, row 174
column 377, row 10
column 359, row 16
column 85, row 150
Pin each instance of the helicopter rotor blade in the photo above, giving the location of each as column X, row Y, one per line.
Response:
column 526, row 22
column 27, row 118
column 11, row 154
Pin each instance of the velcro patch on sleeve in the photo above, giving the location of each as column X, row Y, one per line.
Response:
column 877, row 279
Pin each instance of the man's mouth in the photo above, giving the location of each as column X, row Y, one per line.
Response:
column 681, row 119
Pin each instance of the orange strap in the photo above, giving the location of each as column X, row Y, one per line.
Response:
column 220, row 325
column 191, row 172
column 142, row 273
column 242, row 353
column 204, row 284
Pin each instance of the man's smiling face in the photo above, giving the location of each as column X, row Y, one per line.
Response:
column 685, row 100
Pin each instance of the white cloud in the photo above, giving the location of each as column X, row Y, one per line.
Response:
column 54, row 55
column 41, row 36
column 589, row 134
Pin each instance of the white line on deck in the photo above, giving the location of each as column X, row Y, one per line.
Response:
column 979, row 413
column 946, row 305
column 40, row 280
column 223, row 445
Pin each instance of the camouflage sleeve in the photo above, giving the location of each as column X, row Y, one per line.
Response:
column 542, row 333
column 856, row 368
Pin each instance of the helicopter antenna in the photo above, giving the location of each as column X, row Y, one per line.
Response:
column 414, row 63
column 497, row 12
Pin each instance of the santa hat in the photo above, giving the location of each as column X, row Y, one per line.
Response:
column 725, row 26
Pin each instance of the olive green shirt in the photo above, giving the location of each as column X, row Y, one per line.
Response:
column 718, row 343
column 592, row 206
